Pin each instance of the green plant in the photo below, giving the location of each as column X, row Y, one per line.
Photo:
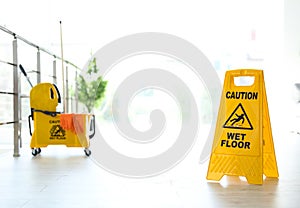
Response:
column 91, row 93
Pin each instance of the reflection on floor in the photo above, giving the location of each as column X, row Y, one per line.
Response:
column 65, row 177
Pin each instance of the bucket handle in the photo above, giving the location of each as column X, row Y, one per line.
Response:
column 29, row 123
column 92, row 127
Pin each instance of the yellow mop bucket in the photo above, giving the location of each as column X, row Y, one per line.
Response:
column 55, row 128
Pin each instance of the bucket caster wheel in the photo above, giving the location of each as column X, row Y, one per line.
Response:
column 35, row 151
column 87, row 152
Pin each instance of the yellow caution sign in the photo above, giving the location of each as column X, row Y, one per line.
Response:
column 243, row 143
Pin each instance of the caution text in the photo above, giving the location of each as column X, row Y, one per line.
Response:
column 242, row 95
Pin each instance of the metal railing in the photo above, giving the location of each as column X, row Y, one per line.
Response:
column 20, row 94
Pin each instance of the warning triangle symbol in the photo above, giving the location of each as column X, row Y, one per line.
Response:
column 238, row 119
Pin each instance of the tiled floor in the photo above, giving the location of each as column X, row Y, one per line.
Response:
column 65, row 177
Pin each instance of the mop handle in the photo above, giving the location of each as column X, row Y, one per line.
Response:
column 23, row 70
column 25, row 74
column 62, row 69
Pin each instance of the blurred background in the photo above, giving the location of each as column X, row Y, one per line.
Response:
column 261, row 34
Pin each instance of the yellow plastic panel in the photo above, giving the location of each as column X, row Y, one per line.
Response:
column 44, row 96
column 243, row 143
column 48, row 131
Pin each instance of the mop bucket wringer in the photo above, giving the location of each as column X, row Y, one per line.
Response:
column 55, row 128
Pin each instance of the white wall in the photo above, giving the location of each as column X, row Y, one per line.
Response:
column 292, row 36
column 291, row 63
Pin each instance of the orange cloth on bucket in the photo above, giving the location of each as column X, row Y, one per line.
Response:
column 73, row 122
column 66, row 122
column 79, row 123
